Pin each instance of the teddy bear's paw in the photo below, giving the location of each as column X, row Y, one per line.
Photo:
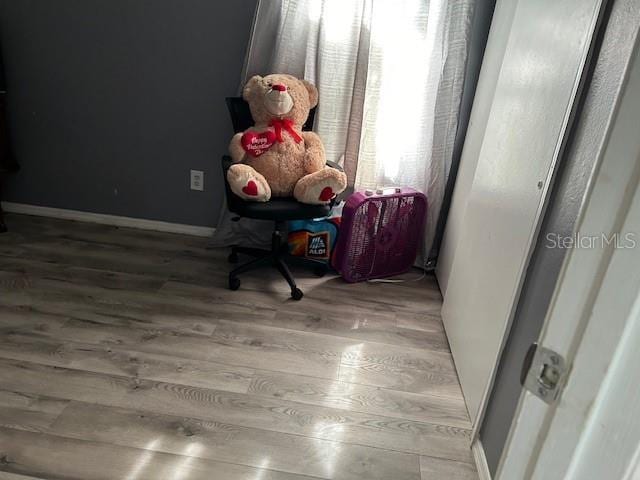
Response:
column 321, row 187
column 248, row 184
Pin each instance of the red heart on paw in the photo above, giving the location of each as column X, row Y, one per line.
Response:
column 251, row 188
column 326, row 194
column 255, row 144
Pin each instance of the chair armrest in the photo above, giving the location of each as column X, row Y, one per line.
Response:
column 334, row 165
column 226, row 162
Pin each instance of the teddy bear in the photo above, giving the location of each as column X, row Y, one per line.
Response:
column 275, row 157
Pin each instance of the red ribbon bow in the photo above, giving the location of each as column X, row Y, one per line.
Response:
column 284, row 124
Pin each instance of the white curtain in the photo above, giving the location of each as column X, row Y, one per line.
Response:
column 390, row 75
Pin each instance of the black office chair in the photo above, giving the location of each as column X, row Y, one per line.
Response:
column 279, row 210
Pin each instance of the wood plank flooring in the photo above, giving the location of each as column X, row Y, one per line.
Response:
column 123, row 356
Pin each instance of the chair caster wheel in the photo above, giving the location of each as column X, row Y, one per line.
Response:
column 320, row 270
column 234, row 283
column 296, row 294
column 233, row 257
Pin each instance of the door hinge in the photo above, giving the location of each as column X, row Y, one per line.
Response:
column 543, row 373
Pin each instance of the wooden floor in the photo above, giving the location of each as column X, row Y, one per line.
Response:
column 124, row 356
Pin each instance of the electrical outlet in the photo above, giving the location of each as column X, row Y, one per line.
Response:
column 197, row 180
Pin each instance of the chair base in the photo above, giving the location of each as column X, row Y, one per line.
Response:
column 276, row 258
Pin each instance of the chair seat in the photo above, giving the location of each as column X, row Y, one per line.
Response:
column 279, row 209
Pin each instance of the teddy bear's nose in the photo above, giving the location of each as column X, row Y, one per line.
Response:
column 279, row 87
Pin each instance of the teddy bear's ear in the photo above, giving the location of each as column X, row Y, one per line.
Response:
column 253, row 81
column 313, row 93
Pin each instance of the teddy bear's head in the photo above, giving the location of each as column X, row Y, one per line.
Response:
column 280, row 96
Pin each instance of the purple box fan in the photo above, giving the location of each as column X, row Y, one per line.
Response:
column 380, row 233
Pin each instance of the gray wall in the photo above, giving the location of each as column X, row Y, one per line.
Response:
column 590, row 130
column 112, row 102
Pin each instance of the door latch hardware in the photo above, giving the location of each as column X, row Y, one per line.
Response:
column 543, row 372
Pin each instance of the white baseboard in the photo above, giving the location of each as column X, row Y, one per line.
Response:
column 480, row 460
column 104, row 219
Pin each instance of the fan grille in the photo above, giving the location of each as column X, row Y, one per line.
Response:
column 384, row 237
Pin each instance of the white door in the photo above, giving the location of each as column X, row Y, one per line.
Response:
column 540, row 75
column 592, row 432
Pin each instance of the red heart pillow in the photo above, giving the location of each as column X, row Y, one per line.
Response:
column 255, row 144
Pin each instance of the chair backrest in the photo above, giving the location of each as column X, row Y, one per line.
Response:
column 241, row 115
